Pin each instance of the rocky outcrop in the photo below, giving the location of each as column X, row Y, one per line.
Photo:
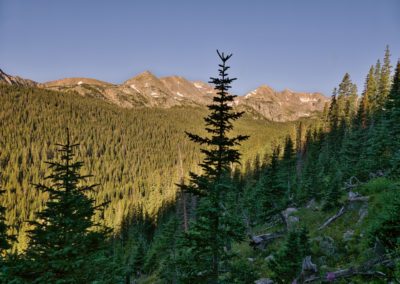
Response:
column 15, row 80
column 286, row 105
column 147, row 90
column 143, row 90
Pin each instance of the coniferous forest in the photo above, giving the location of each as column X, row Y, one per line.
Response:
column 93, row 193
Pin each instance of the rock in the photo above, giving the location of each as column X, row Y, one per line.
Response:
column 353, row 195
column 348, row 235
column 281, row 106
column 264, row 281
column 288, row 211
column 292, row 221
column 15, row 80
column 308, row 267
column 269, row 258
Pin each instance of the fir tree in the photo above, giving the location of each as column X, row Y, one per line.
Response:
column 384, row 82
column 214, row 228
column 287, row 172
column 286, row 264
column 353, row 144
column 393, row 117
column 63, row 246
column 364, row 110
column 333, row 114
column 347, row 99
column 309, row 181
column 377, row 73
column 304, row 242
column 270, row 192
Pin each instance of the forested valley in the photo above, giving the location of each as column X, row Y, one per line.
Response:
column 92, row 193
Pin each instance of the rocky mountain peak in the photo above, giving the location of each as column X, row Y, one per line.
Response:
column 147, row 90
column 15, row 80
column 144, row 76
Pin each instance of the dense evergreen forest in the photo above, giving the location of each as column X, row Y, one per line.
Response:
column 136, row 156
column 321, row 206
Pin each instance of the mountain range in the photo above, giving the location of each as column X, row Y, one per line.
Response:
column 147, row 90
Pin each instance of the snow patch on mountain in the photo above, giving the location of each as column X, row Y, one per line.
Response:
column 307, row 100
column 134, row 87
column 250, row 94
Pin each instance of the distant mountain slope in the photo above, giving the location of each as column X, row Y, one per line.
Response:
column 15, row 80
column 137, row 155
column 74, row 81
column 286, row 105
column 146, row 90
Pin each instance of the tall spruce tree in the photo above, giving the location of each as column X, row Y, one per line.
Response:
column 308, row 175
column 347, row 99
column 333, row 114
column 64, row 247
column 381, row 145
column 364, row 109
column 384, row 82
column 287, row 170
column 393, row 117
column 286, row 264
column 377, row 73
column 270, row 192
column 353, row 146
column 209, row 237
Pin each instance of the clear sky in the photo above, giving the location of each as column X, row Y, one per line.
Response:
column 302, row 45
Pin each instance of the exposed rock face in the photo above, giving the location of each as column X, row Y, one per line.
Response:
column 143, row 90
column 146, row 90
column 282, row 106
column 186, row 91
column 15, row 80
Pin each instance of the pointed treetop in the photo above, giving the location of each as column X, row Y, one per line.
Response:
column 223, row 57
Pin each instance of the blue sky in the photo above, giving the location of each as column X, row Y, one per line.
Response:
column 302, row 45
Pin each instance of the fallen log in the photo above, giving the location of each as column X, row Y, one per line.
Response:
column 333, row 218
column 261, row 241
column 353, row 197
column 363, row 270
